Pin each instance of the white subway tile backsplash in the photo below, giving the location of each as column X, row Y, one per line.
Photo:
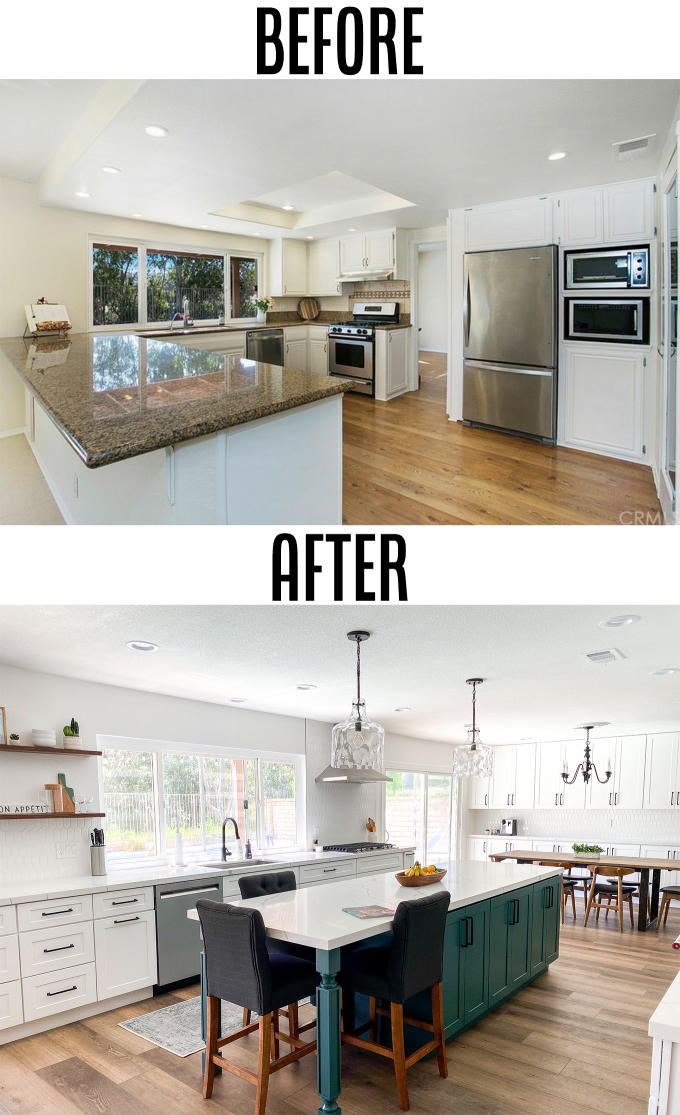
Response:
column 28, row 848
column 339, row 811
column 634, row 826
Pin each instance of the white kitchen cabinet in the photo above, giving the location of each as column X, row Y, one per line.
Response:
column 8, row 920
column 223, row 342
column 397, row 361
column 477, row 848
column 512, row 780
column 628, row 211
column 601, row 795
column 663, row 851
column 662, row 773
column 325, row 872
column 552, row 792
column 603, row 398
column 51, row 993
column 380, row 249
column 54, row 912
column 478, row 793
column 295, row 348
column 107, row 903
column 11, row 1007
column 318, row 356
column 352, row 253
column 515, row 224
column 579, row 218
column 232, row 344
column 231, row 889
column 324, row 268
column 287, row 268
column 9, row 958
column 385, row 250
column 624, row 790
column 377, row 865
column 125, row 953
column 47, row 950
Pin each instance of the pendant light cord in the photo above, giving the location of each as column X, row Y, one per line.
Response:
column 358, row 671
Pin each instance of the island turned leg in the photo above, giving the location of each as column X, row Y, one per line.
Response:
column 328, row 1031
column 204, row 1016
column 643, row 920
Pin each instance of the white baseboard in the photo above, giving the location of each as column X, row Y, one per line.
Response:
column 65, row 513
column 13, row 433
column 27, row 1029
column 442, row 350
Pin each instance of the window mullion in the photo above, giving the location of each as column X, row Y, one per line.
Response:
column 141, row 284
column 260, row 804
column 158, row 802
column 201, row 800
column 426, row 790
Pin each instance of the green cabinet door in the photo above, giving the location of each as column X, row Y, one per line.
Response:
column 500, row 917
column 545, row 931
column 551, row 922
column 520, row 938
column 453, row 976
column 476, row 961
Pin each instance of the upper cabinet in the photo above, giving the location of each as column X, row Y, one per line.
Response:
column 511, row 224
column 512, row 780
column 662, row 772
column 324, row 267
column 386, row 250
column 552, row 792
column 624, row 789
column 615, row 214
column 287, row 268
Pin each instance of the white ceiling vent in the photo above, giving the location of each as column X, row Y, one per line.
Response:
column 603, row 657
column 629, row 149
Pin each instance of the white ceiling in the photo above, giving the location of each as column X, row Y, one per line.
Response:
column 35, row 119
column 440, row 144
column 537, row 682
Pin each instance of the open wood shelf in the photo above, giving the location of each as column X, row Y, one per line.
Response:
column 40, row 816
column 9, row 748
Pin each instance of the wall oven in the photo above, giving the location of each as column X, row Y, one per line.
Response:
column 613, row 269
column 614, row 320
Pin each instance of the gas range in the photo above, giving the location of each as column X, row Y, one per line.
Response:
column 351, row 344
column 352, row 329
column 366, row 316
column 352, row 848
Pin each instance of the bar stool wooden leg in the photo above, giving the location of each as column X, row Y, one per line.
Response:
column 264, row 1050
column 620, row 904
column 661, row 910
column 438, row 1022
column 274, row 1039
column 397, row 1020
column 573, row 901
column 668, row 906
column 293, row 1020
column 589, row 903
column 246, row 1017
column 212, row 1025
column 630, row 907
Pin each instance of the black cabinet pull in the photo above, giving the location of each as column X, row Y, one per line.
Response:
column 124, row 901
column 463, row 925
column 514, row 903
column 74, row 988
column 51, row 913
column 60, row 949
column 551, row 898
column 472, row 926
column 123, row 921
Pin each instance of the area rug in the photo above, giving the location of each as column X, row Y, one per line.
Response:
column 178, row 1028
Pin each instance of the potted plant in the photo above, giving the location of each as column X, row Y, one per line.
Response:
column 14, row 739
column 72, row 736
column 588, row 851
column 263, row 305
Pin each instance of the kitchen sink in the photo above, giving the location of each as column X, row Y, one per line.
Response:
column 231, row 862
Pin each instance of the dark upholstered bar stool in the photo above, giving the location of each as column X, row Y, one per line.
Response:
column 412, row 963
column 240, row 969
column 261, row 886
column 667, row 896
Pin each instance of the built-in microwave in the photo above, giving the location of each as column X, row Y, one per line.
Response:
column 611, row 269
column 615, row 320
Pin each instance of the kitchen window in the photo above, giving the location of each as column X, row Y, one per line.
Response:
column 149, row 795
column 420, row 809
column 145, row 284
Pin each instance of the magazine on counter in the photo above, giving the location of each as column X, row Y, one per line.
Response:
column 367, row 911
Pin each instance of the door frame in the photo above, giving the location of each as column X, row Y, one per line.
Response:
column 670, row 505
column 442, row 242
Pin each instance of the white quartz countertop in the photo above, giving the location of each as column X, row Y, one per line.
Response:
column 314, row 916
column 665, row 1022
column 140, row 876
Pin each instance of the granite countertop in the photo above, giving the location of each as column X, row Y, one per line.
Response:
column 118, row 395
column 205, row 330
column 144, row 876
column 314, row 916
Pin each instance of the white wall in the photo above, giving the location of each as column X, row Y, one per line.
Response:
column 339, row 811
column 432, row 299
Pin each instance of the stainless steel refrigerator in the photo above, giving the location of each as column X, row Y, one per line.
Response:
column 510, row 337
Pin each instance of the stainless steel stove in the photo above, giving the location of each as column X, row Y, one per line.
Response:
column 352, row 848
column 352, row 343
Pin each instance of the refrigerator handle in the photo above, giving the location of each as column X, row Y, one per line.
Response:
column 466, row 306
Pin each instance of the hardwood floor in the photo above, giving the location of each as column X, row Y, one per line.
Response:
column 573, row 1043
column 405, row 463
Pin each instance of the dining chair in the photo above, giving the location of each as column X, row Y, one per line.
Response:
column 667, row 896
column 619, row 890
column 240, row 969
column 568, row 886
column 410, row 964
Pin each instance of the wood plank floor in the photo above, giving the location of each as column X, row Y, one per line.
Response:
column 573, row 1043
column 405, row 463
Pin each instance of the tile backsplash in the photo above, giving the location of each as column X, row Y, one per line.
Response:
column 28, row 848
column 630, row 826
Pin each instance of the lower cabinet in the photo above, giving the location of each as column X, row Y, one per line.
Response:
column 510, row 938
column 318, row 357
column 11, row 1010
column 125, row 950
column 53, row 992
column 545, row 932
column 466, row 966
column 603, row 398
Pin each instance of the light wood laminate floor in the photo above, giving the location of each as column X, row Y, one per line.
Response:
column 405, row 463
column 573, row 1043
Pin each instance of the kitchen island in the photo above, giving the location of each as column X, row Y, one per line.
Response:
column 502, row 932
column 133, row 430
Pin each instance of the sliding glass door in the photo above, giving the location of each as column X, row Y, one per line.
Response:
column 420, row 809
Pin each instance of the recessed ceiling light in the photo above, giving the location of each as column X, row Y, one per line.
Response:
column 618, row 621
column 140, row 644
column 137, row 214
column 403, row 708
column 556, row 155
column 238, row 700
column 288, row 207
column 351, row 230
column 156, row 130
column 662, row 673
column 111, row 170
column 205, row 226
column 306, row 686
column 82, row 193
column 257, row 234
column 309, row 238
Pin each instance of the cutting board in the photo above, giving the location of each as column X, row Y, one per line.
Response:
column 308, row 309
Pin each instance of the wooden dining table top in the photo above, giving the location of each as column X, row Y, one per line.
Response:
column 644, row 862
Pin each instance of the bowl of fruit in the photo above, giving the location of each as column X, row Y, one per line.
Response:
column 418, row 876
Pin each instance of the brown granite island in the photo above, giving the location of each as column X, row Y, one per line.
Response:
column 134, row 430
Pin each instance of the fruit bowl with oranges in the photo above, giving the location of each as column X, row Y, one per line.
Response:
column 418, row 876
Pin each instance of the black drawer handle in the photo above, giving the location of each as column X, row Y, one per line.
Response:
column 327, row 869
column 124, row 901
column 551, row 898
column 51, row 913
column 74, row 988
column 60, row 949
column 123, row 921
column 472, row 927
column 514, row 902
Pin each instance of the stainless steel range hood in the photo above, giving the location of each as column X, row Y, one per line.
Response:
column 351, row 774
column 366, row 273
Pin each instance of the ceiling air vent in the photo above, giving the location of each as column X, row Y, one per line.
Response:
column 629, row 149
column 603, row 657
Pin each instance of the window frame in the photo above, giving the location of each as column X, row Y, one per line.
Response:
column 144, row 246
column 454, row 807
column 157, row 748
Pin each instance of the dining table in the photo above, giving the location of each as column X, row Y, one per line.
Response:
column 648, row 910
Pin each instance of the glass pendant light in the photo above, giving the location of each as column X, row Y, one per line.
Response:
column 473, row 759
column 358, row 743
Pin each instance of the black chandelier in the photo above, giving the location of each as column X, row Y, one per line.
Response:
column 586, row 767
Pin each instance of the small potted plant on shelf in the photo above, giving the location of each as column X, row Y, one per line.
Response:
column 14, row 739
column 72, row 736
column 588, row 851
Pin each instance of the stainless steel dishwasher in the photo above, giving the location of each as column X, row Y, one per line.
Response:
column 265, row 346
column 179, row 939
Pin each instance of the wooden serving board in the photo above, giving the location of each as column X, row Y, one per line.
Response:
column 308, row 309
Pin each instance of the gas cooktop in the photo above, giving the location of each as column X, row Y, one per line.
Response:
column 351, row 848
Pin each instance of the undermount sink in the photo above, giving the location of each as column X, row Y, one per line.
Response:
column 231, row 862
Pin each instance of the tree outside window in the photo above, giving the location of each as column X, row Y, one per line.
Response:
column 115, row 293
column 173, row 276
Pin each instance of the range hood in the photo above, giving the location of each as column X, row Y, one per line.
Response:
column 366, row 273
column 351, row 774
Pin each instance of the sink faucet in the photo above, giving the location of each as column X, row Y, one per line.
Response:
column 225, row 853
